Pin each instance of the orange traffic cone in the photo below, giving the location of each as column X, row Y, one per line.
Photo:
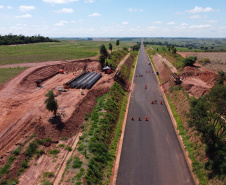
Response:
column 132, row 118
column 161, row 102
column 152, row 102
column 139, row 118
column 145, row 86
column 146, row 118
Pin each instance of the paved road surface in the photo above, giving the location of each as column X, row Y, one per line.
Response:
column 151, row 153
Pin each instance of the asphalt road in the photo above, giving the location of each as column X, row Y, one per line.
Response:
column 151, row 153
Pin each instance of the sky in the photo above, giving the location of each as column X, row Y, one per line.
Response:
column 114, row 18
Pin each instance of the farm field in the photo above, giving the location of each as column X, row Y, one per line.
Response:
column 217, row 60
column 64, row 50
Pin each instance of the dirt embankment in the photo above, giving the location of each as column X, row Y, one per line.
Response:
column 24, row 113
column 196, row 80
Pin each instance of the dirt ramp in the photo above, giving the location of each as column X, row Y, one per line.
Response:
column 40, row 73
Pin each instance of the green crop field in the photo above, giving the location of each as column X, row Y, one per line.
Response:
column 8, row 73
column 64, row 50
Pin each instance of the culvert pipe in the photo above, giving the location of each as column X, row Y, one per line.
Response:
column 78, row 85
column 84, row 83
column 74, row 80
column 93, row 81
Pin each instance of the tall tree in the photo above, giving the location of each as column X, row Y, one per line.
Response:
column 103, row 51
column 103, row 55
column 117, row 43
column 51, row 103
column 110, row 47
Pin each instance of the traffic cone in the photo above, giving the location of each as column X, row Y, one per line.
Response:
column 146, row 118
column 161, row 102
column 139, row 118
column 145, row 86
column 152, row 102
column 132, row 118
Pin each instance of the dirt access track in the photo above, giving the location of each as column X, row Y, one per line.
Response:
column 23, row 110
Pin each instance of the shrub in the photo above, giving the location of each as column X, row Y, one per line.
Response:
column 77, row 163
column 31, row 149
column 17, row 151
column 189, row 61
column 54, row 151
column 63, row 138
column 205, row 61
column 68, row 148
column 48, row 174
column 24, row 164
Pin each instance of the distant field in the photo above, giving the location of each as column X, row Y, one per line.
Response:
column 64, row 50
column 8, row 73
column 195, row 43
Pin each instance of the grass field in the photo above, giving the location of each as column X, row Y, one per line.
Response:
column 8, row 73
column 64, row 50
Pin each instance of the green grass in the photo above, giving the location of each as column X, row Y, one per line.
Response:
column 64, row 50
column 9, row 73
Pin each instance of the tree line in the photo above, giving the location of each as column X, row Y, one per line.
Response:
column 21, row 39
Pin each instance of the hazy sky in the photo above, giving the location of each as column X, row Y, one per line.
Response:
column 114, row 18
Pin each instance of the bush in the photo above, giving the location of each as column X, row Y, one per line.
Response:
column 48, row 174
column 17, row 151
column 68, row 148
column 54, row 151
column 63, row 138
column 205, row 61
column 31, row 149
column 77, row 163
column 189, row 61
column 24, row 164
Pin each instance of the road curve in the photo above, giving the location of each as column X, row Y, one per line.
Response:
column 151, row 153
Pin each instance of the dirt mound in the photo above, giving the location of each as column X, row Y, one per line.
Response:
column 45, row 72
column 208, row 77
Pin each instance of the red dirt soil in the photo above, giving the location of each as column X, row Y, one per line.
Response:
column 196, row 80
column 23, row 110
